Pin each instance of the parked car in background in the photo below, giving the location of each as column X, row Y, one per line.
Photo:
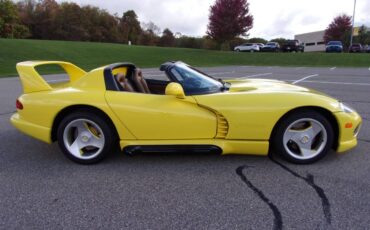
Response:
column 261, row 45
column 248, row 47
column 334, row 46
column 367, row 48
column 356, row 48
column 271, row 47
column 293, row 46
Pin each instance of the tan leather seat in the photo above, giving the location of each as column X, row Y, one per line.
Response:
column 126, row 85
column 140, row 81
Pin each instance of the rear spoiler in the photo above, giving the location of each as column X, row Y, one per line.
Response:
column 32, row 81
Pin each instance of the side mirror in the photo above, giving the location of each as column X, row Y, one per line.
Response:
column 176, row 90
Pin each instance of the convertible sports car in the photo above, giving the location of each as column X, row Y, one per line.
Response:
column 189, row 111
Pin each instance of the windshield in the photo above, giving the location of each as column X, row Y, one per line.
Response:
column 194, row 82
column 270, row 44
column 334, row 43
column 291, row 42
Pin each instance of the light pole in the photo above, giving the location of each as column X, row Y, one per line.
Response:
column 353, row 22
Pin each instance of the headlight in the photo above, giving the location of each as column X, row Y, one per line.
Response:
column 345, row 108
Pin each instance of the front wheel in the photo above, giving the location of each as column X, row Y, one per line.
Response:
column 85, row 138
column 303, row 137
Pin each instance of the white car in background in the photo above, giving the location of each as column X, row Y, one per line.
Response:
column 248, row 47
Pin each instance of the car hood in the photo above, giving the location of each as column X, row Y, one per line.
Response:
column 267, row 85
column 264, row 95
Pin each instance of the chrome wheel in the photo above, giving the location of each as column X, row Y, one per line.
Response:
column 305, row 138
column 83, row 139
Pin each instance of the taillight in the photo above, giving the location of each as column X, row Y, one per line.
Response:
column 18, row 105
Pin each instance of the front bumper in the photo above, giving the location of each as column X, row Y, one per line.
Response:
column 349, row 126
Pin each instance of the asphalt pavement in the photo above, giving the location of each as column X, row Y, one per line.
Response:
column 41, row 189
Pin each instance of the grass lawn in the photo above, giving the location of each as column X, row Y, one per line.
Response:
column 89, row 55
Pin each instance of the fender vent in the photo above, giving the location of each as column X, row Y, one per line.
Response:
column 222, row 126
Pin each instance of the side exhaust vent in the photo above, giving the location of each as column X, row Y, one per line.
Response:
column 222, row 126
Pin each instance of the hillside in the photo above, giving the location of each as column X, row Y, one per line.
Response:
column 90, row 55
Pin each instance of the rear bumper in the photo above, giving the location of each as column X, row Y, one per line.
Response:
column 33, row 130
column 347, row 138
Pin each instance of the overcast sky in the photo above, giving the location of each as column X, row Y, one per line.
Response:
column 272, row 19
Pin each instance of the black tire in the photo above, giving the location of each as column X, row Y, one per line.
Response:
column 277, row 140
column 237, row 50
column 109, row 136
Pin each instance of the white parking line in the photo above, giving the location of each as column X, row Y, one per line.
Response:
column 302, row 79
column 331, row 69
column 338, row 83
column 255, row 75
column 220, row 73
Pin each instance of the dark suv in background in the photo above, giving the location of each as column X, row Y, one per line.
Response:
column 271, row 47
column 356, row 48
column 334, row 46
column 292, row 46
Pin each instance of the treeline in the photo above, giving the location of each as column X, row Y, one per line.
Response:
column 49, row 20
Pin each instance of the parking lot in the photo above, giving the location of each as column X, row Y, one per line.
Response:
column 40, row 189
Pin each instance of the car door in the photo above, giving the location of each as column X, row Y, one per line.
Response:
column 247, row 47
column 162, row 117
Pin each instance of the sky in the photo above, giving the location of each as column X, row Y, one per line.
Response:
column 272, row 19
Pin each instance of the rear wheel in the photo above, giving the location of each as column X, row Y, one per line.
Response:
column 85, row 138
column 303, row 137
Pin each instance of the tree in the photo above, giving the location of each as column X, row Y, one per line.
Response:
column 189, row 42
column 150, row 26
column 281, row 41
column 363, row 35
column 148, row 38
column 44, row 19
column 68, row 24
column 229, row 19
column 257, row 40
column 339, row 29
column 130, row 27
column 167, row 39
column 9, row 21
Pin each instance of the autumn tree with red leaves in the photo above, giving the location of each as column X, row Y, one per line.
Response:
column 229, row 19
column 339, row 29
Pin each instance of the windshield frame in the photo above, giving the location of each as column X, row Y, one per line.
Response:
column 181, row 70
column 335, row 43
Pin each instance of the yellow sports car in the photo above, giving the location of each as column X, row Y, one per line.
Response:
column 97, row 110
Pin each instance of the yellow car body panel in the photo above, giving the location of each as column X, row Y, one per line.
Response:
column 161, row 117
column 33, row 82
column 346, row 138
column 260, row 105
column 240, row 120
